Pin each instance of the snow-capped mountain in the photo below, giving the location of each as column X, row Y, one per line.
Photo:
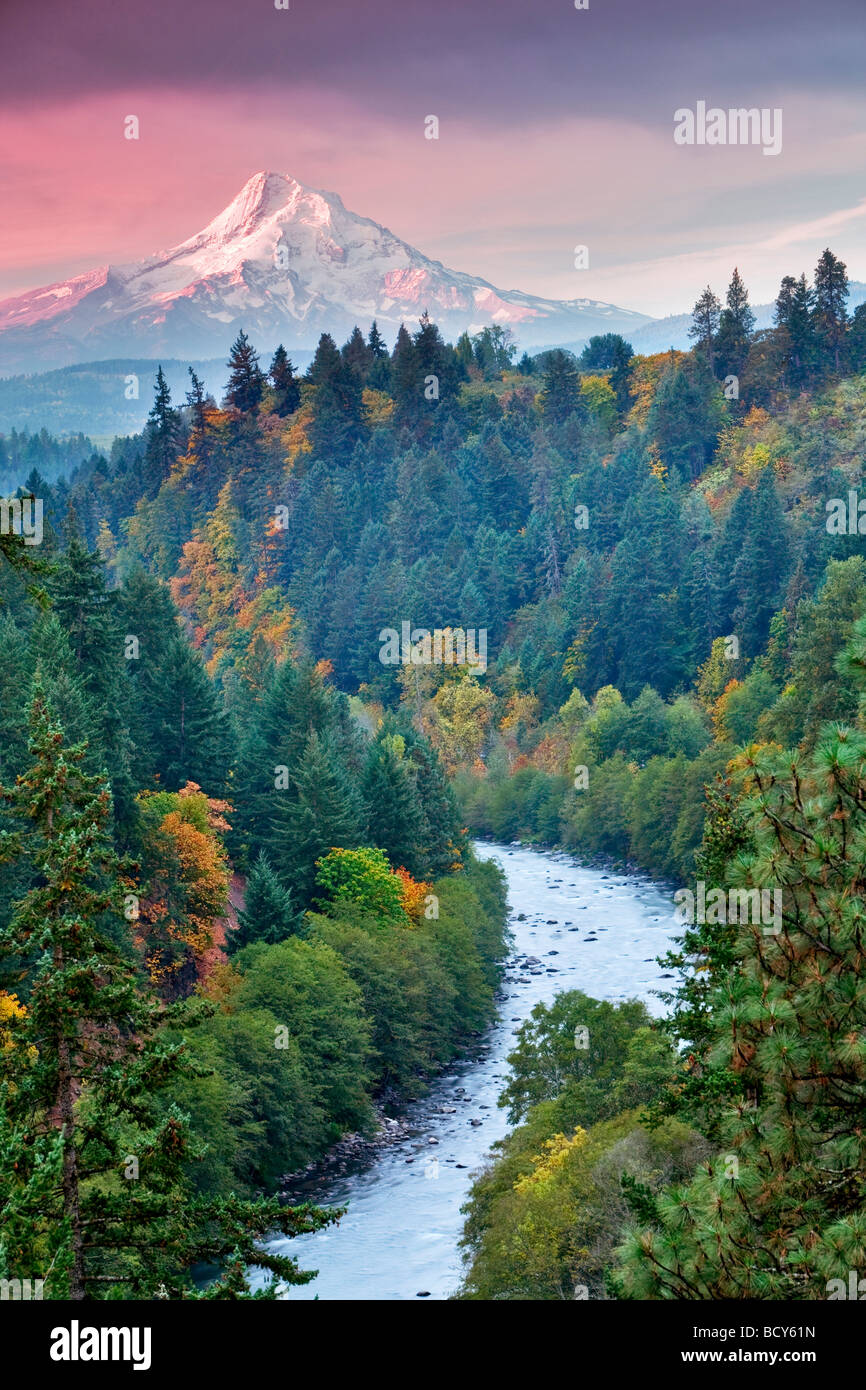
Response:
column 285, row 263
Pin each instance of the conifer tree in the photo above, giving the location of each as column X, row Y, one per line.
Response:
column 760, row 571
column 87, row 612
column 394, row 815
column 830, row 314
column 856, row 347
column 795, row 321
column 198, row 400
column 441, row 836
column 336, row 402
column 559, row 397
column 191, row 737
column 268, row 914
column 705, row 326
column 407, row 382
column 246, row 384
column 736, row 325
column 434, row 358
column 357, row 355
column 318, row 812
column 287, row 391
column 376, row 342
column 163, row 435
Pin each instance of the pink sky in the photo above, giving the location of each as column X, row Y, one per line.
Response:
column 521, row 173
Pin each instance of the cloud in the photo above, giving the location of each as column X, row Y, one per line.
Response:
column 556, row 130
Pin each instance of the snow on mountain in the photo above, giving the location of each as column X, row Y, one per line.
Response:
column 285, row 263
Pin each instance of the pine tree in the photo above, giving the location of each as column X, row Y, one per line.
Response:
column 163, row 436
column 336, row 402
column 357, row 355
column 376, row 342
column 760, row 571
column 198, row 401
column 379, row 373
column 287, row 391
column 559, row 397
column 317, row 813
column 704, row 957
column 441, row 838
column 705, row 326
column 830, row 315
column 736, row 325
column 87, row 612
column 246, row 384
column 268, row 914
column 856, row 347
column 394, row 814
column 434, row 358
column 94, row 1196
column 191, row 739
column 407, row 382
column 795, row 321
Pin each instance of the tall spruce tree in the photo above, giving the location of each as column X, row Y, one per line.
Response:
column 705, row 326
column 830, row 314
column 163, row 436
column 736, row 325
column 246, row 383
column 318, row 811
column 268, row 913
column 87, row 612
column 394, row 813
column 559, row 397
column 795, row 323
column 286, row 388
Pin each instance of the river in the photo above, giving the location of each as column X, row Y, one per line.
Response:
column 588, row 929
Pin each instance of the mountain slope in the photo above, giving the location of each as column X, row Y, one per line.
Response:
column 283, row 262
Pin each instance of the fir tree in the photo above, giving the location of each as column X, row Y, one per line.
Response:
column 830, row 314
column 736, row 325
column 379, row 373
column 760, row 571
column 268, row 914
column 87, row 612
column 705, row 326
column 795, row 322
column 561, row 382
column 286, row 389
column 163, row 436
column 198, row 401
column 394, row 814
column 407, row 382
column 190, row 733
column 357, row 355
column 246, row 384
column 376, row 342
column 317, row 813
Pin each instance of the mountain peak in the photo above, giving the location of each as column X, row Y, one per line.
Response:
column 285, row 262
column 262, row 196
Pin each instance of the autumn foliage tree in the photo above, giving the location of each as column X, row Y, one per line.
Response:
column 186, row 883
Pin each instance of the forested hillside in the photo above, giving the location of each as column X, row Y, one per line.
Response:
column 241, row 908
